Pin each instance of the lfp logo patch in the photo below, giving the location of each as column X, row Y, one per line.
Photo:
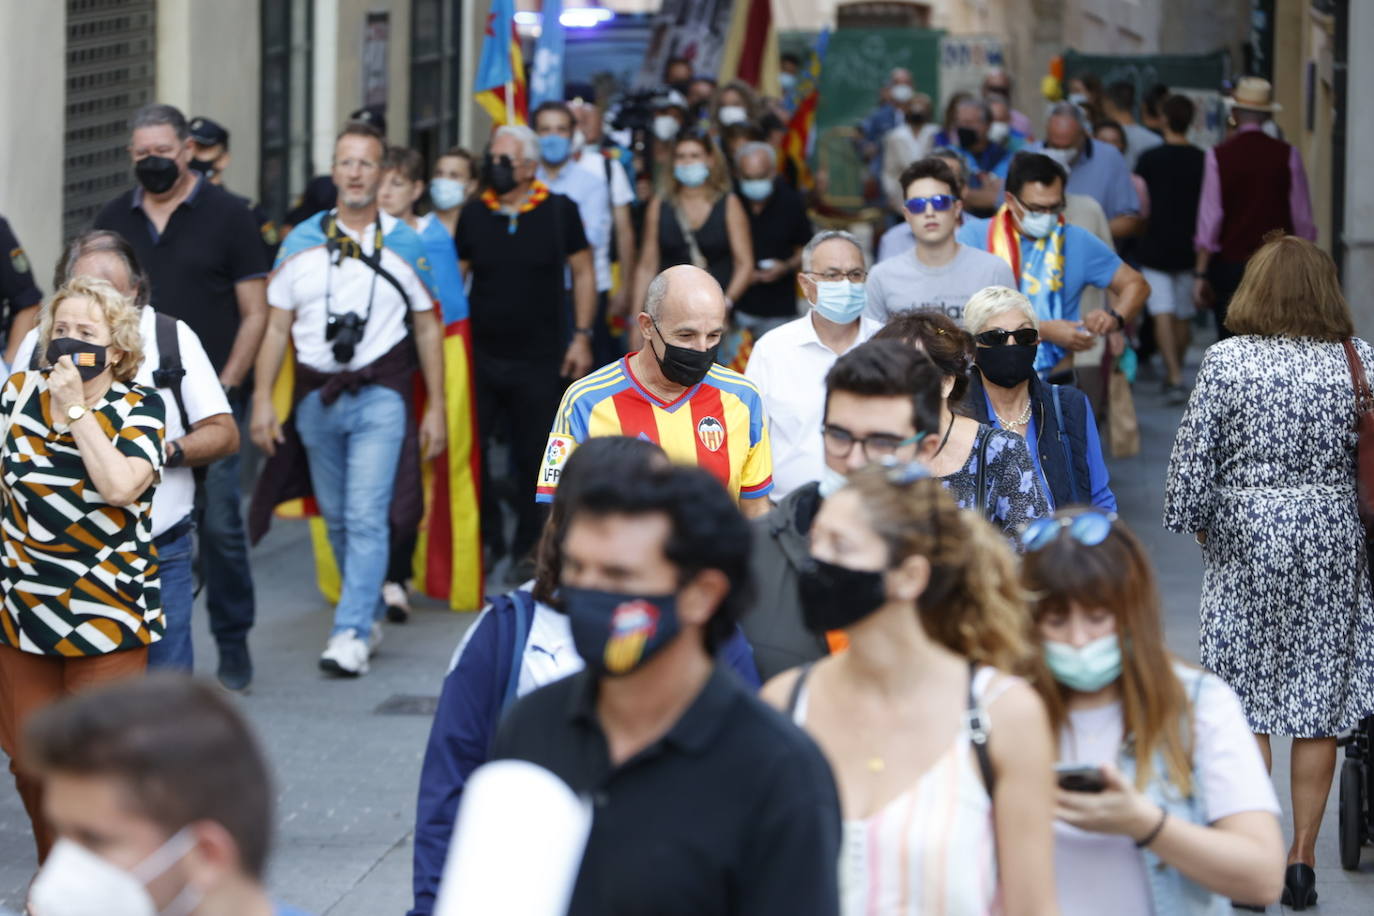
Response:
column 711, row 432
column 551, row 468
column 633, row 624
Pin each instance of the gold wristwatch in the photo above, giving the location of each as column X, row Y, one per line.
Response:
column 75, row 412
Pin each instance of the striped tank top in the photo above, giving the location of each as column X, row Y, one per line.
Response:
column 932, row 850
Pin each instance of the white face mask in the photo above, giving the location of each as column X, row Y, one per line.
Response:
column 832, row 481
column 76, row 882
column 999, row 131
column 901, row 93
column 666, row 127
column 1064, row 157
column 732, row 114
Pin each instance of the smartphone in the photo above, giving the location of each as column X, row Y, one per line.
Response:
column 767, row 264
column 1077, row 777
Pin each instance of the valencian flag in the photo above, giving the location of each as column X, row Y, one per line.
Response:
column 501, row 70
column 799, row 140
column 448, row 553
column 751, row 47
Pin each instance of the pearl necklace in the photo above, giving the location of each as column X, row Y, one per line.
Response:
column 1020, row 421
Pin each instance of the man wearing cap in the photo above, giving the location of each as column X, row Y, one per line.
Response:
column 1252, row 184
column 19, row 294
column 210, row 157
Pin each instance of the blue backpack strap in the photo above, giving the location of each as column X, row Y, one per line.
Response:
column 523, row 607
column 1064, row 445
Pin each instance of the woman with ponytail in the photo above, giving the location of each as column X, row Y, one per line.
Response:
column 1165, row 808
column 940, row 748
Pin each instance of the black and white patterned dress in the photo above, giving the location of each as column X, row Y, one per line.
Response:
column 1264, row 462
column 1014, row 496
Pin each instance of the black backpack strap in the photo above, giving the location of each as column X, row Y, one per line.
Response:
column 978, row 732
column 170, row 372
column 980, row 484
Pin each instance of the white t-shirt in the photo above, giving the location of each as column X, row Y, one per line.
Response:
column 1094, row 867
column 200, row 390
column 789, row 364
column 594, row 161
column 299, row 285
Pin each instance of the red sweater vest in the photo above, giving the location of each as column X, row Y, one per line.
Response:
column 1255, row 179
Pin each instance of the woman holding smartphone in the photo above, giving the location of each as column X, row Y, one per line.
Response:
column 1164, row 806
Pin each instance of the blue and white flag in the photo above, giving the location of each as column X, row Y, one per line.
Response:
column 546, row 77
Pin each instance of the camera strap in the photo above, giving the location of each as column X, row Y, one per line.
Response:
column 339, row 245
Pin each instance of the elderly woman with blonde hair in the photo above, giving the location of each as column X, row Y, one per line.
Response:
column 1055, row 420
column 80, row 457
column 1263, row 475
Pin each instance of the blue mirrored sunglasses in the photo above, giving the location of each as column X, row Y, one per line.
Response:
column 941, row 203
column 1087, row 528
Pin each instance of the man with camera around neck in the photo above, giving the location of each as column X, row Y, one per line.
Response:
column 350, row 292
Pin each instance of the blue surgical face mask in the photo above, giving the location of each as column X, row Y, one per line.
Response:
column 832, row 481
column 1037, row 225
column 840, row 301
column 1086, row 669
column 756, row 188
column 446, row 193
column 554, row 148
column 692, row 174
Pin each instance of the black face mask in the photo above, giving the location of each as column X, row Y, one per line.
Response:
column 615, row 633
column 88, row 358
column 1006, row 366
column 157, row 174
column 834, row 597
column 968, row 137
column 683, row 365
column 499, row 174
column 205, row 166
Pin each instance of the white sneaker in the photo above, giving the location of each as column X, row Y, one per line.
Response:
column 374, row 638
column 345, row 654
column 397, row 602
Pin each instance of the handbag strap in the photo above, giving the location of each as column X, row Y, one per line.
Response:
column 980, row 485
column 1364, row 398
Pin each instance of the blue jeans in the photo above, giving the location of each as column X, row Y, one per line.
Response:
column 173, row 651
column 353, row 447
column 224, row 549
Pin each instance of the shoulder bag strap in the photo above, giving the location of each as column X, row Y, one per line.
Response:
column 1364, row 398
column 978, row 732
column 794, row 697
column 1064, row 444
column 980, row 485
column 694, row 250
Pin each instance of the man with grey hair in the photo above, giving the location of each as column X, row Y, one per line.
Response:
column 204, row 256
column 789, row 365
column 1095, row 168
column 516, row 241
column 674, row 394
column 778, row 227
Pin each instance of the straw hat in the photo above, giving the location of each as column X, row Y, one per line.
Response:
column 1253, row 93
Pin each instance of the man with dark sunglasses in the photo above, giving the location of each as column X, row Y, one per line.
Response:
column 940, row 274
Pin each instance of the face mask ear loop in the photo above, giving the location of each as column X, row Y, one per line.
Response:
column 165, row 856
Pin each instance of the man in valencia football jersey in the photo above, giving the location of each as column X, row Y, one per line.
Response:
column 673, row 393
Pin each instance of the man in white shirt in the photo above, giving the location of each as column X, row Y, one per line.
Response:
column 200, row 428
column 592, row 153
column 340, row 293
column 789, row 363
column 940, row 274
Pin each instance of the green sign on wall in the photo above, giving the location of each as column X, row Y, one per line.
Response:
column 857, row 62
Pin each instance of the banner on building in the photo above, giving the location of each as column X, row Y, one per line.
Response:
column 964, row 63
column 692, row 29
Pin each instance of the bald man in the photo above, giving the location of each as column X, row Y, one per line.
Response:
column 674, row 394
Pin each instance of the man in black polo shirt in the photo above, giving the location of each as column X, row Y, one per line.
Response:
column 205, row 257
column 210, row 155
column 515, row 240
column 779, row 228
column 19, row 294
column 706, row 800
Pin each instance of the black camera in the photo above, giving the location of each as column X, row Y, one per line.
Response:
column 346, row 331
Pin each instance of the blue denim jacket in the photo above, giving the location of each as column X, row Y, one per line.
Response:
column 1172, row 893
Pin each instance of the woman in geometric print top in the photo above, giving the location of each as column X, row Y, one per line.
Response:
column 81, row 455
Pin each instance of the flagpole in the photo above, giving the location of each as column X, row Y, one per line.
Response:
column 510, row 102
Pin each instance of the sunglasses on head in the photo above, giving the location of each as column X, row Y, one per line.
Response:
column 1088, row 528
column 1024, row 337
column 940, row 202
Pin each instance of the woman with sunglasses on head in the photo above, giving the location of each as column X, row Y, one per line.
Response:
column 941, row 753
column 987, row 469
column 1263, row 474
column 1164, row 806
column 1055, row 420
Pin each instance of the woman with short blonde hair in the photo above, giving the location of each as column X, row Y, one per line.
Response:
column 1263, row 474
column 79, row 460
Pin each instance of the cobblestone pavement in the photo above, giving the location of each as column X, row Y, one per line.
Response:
column 347, row 769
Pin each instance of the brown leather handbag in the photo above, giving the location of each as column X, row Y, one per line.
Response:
column 1364, row 452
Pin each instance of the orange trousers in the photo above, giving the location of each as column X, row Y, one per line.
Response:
column 29, row 682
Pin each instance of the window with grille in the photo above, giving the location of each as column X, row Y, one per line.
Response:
column 286, row 112
column 434, row 76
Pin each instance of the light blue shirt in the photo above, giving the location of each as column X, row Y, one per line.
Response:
column 1101, row 173
column 589, row 191
column 1087, row 261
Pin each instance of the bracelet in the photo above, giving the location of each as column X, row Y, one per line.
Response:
column 586, row 331
column 1153, row 834
column 1120, row 321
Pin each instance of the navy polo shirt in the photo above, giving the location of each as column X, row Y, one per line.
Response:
column 210, row 242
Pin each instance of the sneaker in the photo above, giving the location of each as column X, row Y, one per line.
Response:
column 345, row 655
column 397, row 602
column 235, row 670
column 374, row 638
column 1175, row 395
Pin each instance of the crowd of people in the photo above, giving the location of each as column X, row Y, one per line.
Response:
column 816, row 585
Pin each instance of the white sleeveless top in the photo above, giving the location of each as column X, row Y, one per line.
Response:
column 932, row 850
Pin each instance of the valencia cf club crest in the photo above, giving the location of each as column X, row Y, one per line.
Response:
column 711, row 432
column 633, row 624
